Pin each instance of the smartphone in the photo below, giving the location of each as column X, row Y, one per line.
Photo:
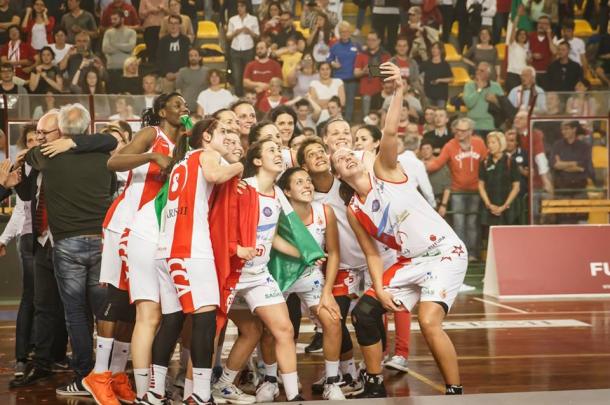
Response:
column 375, row 71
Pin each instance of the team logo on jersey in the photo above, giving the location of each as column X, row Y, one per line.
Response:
column 458, row 250
column 432, row 238
column 179, row 275
column 267, row 211
column 376, row 205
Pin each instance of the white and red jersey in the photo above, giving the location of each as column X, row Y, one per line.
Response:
column 185, row 231
column 269, row 209
column 143, row 184
column 317, row 227
column 398, row 216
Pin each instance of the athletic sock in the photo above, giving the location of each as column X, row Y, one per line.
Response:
column 120, row 355
column 140, row 376
column 202, row 378
column 271, row 370
column 291, row 385
column 348, row 367
column 452, row 389
column 227, row 376
column 331, row 368
column 188, row 388
column 102, row 354
column 157, row 379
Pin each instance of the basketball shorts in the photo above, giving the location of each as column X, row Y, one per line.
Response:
column 258, row 290
column 308, row 287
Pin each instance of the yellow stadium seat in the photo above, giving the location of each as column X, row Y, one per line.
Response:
column 451, row 108
column 213, row 59
column 599, row 156
column 451, row 55
column 139, row 48
column 595, row 81
column 460, row 76
column 207, row 30
column 349, row 9
column 583, row 28
column 501, row 48
column 454, row 29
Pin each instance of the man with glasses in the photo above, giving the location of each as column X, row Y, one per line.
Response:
column 287, row 30
column 172, row 53
column 19, row 106
column 478, row 93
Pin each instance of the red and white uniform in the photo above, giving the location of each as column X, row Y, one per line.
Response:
column 254, row 284
column 432, row 259
column 143, row 184
column 309, row 285
column 185, row 248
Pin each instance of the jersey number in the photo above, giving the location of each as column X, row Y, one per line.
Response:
column 177, row 183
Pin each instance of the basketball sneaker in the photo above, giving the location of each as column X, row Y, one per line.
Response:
column 99, row 386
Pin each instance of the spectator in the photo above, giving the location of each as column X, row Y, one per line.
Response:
column 374, row 55
column 520, row 159
column 215, row 97
column 523, row 97
column 259, row 72
column 563, row 73
column 342, row 58
column 78, row 20
column 302, row 76
column 286, row 31
column 117, row 45
column 192, row 79
column 420, row 36
column 271, row 19
column 60, row 47
column 311, row 12
column 582, row 103
column 124, row 111
column 478, row 93
column 38, row 25
column 440, row 180
column 409, row 69
column 46, row 77
column 284, row 118
column 246, row 117
column 8, row 17
column 263, row 10
column 290, row 58
column 517, row 58
column 241, row 33
column 78, row 190
column 498, row 184
column 484, row 11
column 186, row 26
column 602, row 59
column 81, row 51
column 17, row 106
column 367, row 138
column 483, row 51
column 437, row 76
column 415, row 169
column 131, row 80
column 322, row 90
column 320, row 38
column 383, row 99
column 542, row 49
column 334, row 112
column 17, row 53
column 572, row 165
column 172, row 54
column 308, row 113
column 463, row 155
column 151, row 13
column 87, row 80
column 500, row 20
column 127, row 11
column 577, row 45
column 385, row 15
column 149, row 90
column 273, row 96
column 439, row 136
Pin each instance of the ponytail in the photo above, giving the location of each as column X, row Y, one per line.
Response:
column 150, row 116
column 194, row 141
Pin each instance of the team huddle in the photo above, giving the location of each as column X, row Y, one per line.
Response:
column 194, row 235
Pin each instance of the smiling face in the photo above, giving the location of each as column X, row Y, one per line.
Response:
column 338, row 135
column 493, row 145
column 271, row 158
column 173, row 110
column 285, row 124
column 46, row 56
column 365, row 141
column 316, row 159
column 246, row 117
column 325, row 71
column 300, row 187
column 218, row 140
column 346, row 164
column 234, row 149
column 229, row 119
column 272, row 132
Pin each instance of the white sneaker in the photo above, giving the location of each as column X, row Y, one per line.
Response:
column 229, row 394
column 332, row 390
column 398, row 363
column 268, row 391
column 350, row 386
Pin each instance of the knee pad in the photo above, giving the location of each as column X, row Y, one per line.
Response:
column 202, row 346
column 117, row 307
column 166, row 338
column 367, row 318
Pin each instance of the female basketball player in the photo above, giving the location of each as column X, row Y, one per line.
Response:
column 432, row 259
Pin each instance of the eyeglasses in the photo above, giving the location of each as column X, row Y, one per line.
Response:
column 45, row 133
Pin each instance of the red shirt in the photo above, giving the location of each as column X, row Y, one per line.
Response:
column 49, row 28
column 463, row 164
column 403, row 64
column 129, row 12
column 369, row 86
column 542, row 47
column 265, row 106
column 262, row 72
column 25, row 52
column 503, row 6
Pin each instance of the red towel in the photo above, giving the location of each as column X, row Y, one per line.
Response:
column 233, row 218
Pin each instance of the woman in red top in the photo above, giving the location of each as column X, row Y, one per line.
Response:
column 38, row 25
column 274, row 96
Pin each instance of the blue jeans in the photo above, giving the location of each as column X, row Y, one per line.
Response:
column 466, row 220
column 351, row 89
column 77, row 269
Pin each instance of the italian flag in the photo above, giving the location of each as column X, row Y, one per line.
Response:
column 287, row 269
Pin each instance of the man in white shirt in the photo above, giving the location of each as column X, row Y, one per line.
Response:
column 242, row 31
column 577, row 45
column 521, row 96
column 415, row 168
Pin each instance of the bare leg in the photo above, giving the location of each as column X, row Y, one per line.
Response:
column 250, row 331
column 332, row 335
column 148, row 317
column 276, row 319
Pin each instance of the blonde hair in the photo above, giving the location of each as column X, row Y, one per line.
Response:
column 345, row 25
column 127, row 62
column 499, row 137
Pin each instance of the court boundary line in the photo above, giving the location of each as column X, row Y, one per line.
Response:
column 497, row 304
column 426, row 380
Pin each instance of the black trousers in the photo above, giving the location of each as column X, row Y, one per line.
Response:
column 24, row 337
column 386, row 25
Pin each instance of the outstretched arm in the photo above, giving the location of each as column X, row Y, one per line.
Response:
column 387, row 159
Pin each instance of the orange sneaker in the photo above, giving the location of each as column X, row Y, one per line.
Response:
column 99, row 386
column 122, row 388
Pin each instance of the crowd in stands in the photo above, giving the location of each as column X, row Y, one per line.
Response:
column 318, row 64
